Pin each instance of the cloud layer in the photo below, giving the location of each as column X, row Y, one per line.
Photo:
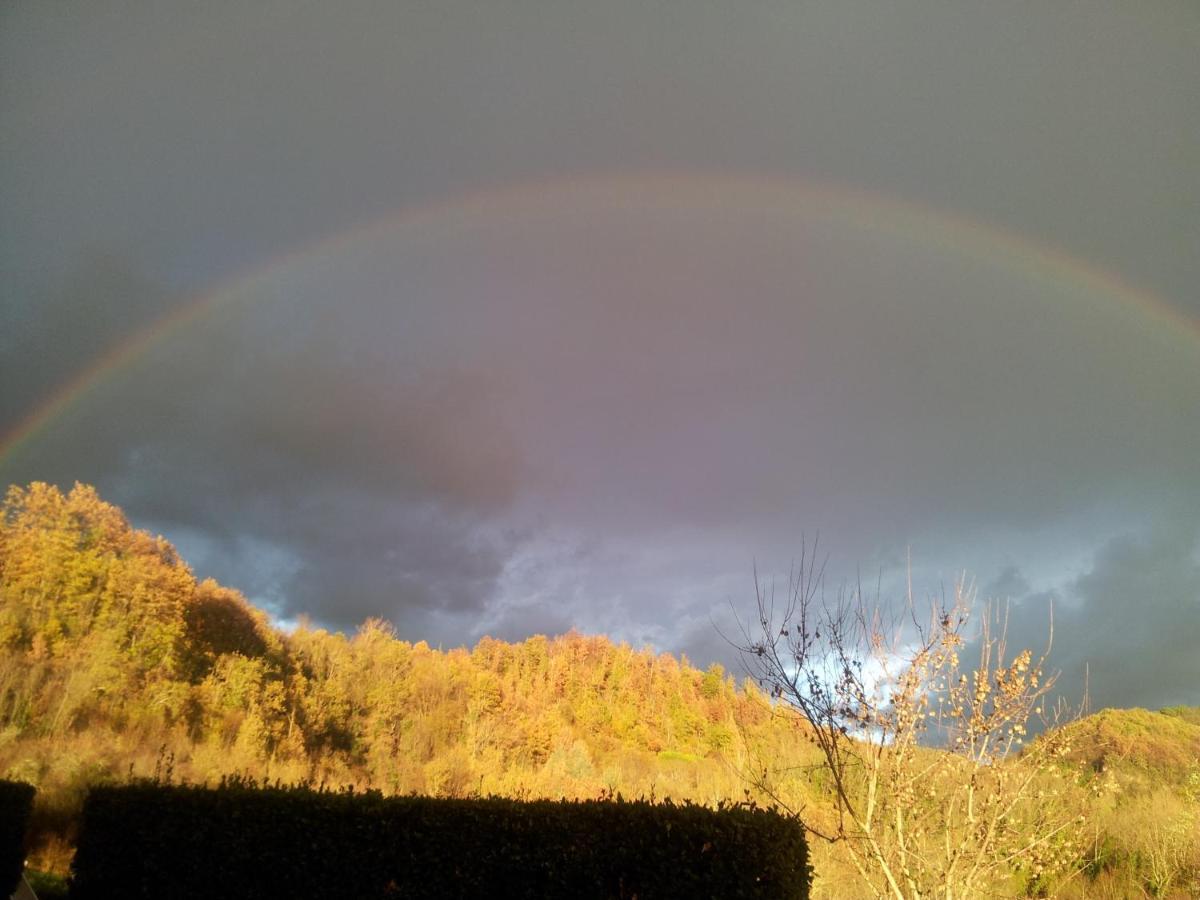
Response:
column 598, row 406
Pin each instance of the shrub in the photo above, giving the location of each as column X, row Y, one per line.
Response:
column 239, row 840
column 16, row 801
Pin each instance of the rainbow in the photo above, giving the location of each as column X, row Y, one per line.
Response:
column 857, row 208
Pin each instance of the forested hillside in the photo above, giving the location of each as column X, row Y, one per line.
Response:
column 1145, row 820
column 116, row 657
column 115, row 660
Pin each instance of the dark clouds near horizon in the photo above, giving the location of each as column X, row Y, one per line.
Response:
column 597, row 407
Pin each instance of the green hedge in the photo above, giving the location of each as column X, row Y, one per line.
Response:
column 173, row 842
column 16, row 802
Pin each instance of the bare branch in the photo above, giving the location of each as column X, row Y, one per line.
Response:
column 878, row 687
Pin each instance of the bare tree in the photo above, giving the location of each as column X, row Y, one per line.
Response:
column 936, row 787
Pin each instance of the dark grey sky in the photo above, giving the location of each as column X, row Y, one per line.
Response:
column 613, row 335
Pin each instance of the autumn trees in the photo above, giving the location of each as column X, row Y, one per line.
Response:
column 114, row 657
column 935, row 785
column 92, row 611
column 900, row 735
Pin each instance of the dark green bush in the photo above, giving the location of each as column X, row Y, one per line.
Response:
column 16, row 801
column 171, row 842
column 47, row 885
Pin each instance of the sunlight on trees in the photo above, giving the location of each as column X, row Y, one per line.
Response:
column 114, row 659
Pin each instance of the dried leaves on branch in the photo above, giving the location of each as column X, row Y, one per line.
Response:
column 936, row 787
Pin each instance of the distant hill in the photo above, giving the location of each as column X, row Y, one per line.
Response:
column 115, row 660
column 1163, row 745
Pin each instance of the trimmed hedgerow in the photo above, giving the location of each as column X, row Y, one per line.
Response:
column 16, row 802
column 236, row 840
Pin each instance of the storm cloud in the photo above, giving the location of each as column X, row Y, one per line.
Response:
column 596, row 401
column 1140, row 590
